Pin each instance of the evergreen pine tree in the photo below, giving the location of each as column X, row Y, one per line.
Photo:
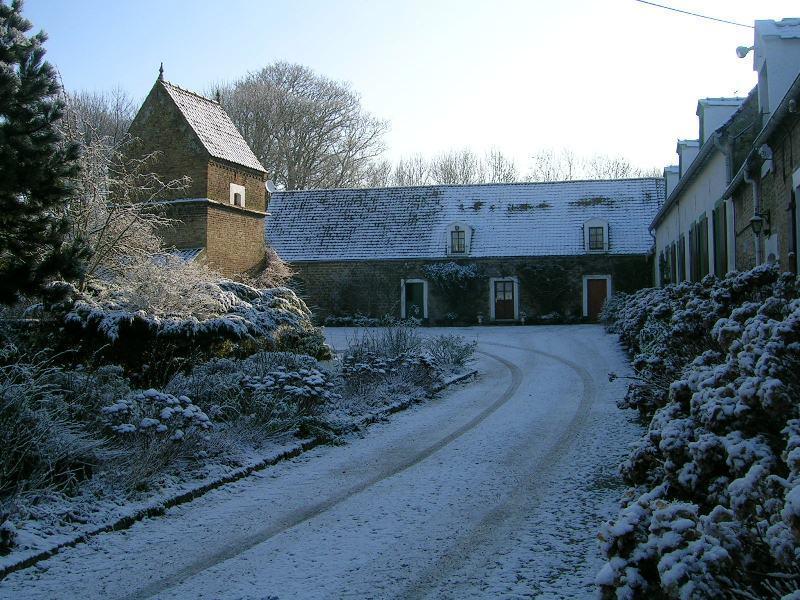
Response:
column 35, row 164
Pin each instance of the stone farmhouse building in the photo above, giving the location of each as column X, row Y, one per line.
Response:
column 220, row 215
column 467, row 253
column 731, row 201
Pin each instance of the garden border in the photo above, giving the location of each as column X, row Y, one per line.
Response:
column 160, row 508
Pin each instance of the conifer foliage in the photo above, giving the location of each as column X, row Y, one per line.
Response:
column 35, row 164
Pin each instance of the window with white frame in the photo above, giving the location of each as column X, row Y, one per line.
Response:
column 458, row 239
column 595, row 236
column 237, row 195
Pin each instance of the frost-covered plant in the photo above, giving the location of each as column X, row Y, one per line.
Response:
column 450, row 273
column 392, row 340
column 268, row 392
column 8, row 534
column 450, row 351
column 153, row 429
column 714, row 505
column 232, row 319
column 40, row 445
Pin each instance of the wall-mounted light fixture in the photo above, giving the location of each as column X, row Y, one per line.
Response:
column 756, row 223
column 743, row 51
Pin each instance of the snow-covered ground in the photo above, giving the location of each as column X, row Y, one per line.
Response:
column 494, row 489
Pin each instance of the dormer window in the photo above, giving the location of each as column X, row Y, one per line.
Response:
column 458, row 240
column 595, row 236
column 459, row 237
column 237, row 195
column 596, row 239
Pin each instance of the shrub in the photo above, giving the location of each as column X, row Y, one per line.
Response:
column 392, row 340
column 233, row 319
column 714, row 505
column 154, row 429
column 41, row 445
column 450, row 351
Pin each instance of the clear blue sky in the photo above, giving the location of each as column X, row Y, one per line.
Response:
column 603, row 76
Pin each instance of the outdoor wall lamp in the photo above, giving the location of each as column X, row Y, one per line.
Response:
column 761, row 222
column 742, row 51
column 756, row 223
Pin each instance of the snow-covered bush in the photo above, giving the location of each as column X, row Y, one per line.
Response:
column 267, row 392
column 450, row 351
column 714, row 505
column 450, row 273
column 393, row 339
column 40, row 445
column 154, row 335
column 154, row 429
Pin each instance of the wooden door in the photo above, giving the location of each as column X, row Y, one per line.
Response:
column 415, row 300
column 504, row 300
column 596, row 290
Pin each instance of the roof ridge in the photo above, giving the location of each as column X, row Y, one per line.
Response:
column 190, row 92
column 471, row 185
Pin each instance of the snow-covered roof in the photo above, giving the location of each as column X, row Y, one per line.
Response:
column 213, row 127
column 518, row 219
column 185, row 254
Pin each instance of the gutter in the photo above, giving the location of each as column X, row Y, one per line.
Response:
column 766, row 132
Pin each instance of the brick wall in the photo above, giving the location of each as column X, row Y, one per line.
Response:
column 546, row 285
column 775, row 197
column 743, row 210
column 159, row 127
column 221, row 175
column 235, row 239
column 190, row 229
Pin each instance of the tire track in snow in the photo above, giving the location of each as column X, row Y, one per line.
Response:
column 297, row 517
column 521, row 498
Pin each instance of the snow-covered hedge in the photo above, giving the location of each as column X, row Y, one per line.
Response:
column 714, row 505
column 235, row 320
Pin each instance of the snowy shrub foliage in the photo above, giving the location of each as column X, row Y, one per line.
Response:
column 450, row 273
column 154, row 336
column 714, row 505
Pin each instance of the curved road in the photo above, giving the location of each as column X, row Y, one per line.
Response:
column 494, row 489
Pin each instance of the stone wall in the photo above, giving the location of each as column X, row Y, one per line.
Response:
column 221, row 175
column 546, row 285
column 159, row 127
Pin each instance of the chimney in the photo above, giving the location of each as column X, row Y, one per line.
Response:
column 671, row 176
column 776, row 59
column 687, row 150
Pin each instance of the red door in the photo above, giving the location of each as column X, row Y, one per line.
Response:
column 596, row 290
column 504, row 300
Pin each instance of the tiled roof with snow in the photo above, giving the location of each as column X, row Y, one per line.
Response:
column 518, row 219
column 214, row 127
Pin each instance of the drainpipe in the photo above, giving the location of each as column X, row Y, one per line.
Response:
column 755, row 221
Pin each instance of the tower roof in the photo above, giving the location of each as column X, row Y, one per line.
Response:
column 213, row 127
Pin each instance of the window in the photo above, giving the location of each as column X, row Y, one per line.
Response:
column 596, row 238
column 458, row 241
column 682, row 258
column 237, row 195
column 698, row 249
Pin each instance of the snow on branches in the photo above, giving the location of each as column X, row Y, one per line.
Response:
column 713, row 509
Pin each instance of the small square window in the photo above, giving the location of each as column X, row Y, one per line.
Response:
column 596, row 241
column 237, row 199
column 458, row 240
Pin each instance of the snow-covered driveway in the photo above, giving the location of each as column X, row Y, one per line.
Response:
column 494, row 489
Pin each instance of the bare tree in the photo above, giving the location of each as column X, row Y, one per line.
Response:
column 376, row 174
column 111, row 208
column 101, row 114
column 499, row 168
column 552, row 165
column 413, row 170
column 457, row 167
column 308, row 131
